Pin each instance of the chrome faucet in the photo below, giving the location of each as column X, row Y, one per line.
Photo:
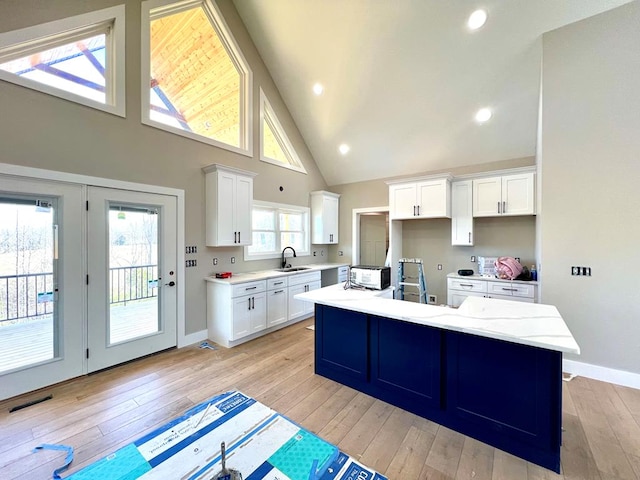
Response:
column 284, row 262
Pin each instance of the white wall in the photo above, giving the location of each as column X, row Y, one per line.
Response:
column 590, row 164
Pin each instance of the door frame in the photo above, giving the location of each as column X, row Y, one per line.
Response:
column 355, row 234
column 87, row 180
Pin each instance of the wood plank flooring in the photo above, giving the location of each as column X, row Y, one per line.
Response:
column 100, row 413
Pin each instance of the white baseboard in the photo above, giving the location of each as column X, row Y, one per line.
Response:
column 192, row 338
column 605, row 374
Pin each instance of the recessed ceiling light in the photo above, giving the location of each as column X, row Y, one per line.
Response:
column 318, row 89
column 483, row 115
column 344, row 148
column 477, row 19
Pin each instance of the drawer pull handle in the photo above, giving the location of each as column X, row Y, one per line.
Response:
column 250, row 288
column 278, row 291
column 510, row 289
column 278, row 283
column 466, row 285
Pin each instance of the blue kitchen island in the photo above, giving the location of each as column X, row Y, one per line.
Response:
column 491, row 369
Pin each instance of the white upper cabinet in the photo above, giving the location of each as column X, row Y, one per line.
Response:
column 229, row 203
column 504, row 195
column 462, row 213
column 324, row 217
column 420, row 198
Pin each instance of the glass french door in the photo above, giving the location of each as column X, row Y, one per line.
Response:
column 41, row 301
column 132, row 261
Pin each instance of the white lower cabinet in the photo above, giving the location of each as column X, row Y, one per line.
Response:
column 277, row 293
column 239, row 312
column 459, row 288
column 301, row 283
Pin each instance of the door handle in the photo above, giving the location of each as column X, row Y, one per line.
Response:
column 499, row 208
column 504, row 207
column 171, row 283
column 235, row 237
column 414, row 210
column 239, row 241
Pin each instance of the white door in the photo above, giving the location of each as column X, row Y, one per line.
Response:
column 402, row 201
column 243, row 209
column 518, row 194
column 132, row 260
column 42, row 297
column 487, row 197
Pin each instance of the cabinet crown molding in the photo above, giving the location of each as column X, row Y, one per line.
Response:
column 496, row 173
column 440, row 176
column 216, row 167
column 324, row 192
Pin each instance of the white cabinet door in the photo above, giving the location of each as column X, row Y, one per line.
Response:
column 229, row 203
column 276, row 307
column 243, row 209
column 296, row 307
column 455, row 298
column 462, row 213
column 309, row 306
column 402, row 201
column 518, row 195
column 324, row 217
column 433, row 198
column 505, row 195
column 258, row 312
column 487, row 197
column 241, row 321
column 225, row 232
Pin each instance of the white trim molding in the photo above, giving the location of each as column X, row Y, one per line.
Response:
column 604, row 374
column 355, row 226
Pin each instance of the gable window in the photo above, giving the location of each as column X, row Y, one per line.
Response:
column 275, row 226
column 80, row 59
column 275, row 146
column 196, row 82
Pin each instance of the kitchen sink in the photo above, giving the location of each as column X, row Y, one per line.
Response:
column 292, row 269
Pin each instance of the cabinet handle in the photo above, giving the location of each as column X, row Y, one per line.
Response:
column 504, row 207
column 466, row 285
column 469, row 237
column 249, row 288
column 418, row 210
column 249, row 300
column 239, row 240
column 499, row 208
column 235, row 237
column 510, row 289
column 278, row 291
column 278, row 283
column 414, row 210
column 253, row 303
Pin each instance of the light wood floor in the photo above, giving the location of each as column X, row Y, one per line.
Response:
column 99, row 413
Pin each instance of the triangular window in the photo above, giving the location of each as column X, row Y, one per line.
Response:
column 79, row 58
column 275, row 146
column 199, row 82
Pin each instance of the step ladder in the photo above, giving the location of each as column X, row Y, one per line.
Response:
column 420, row 284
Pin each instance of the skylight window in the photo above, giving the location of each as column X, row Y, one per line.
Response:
column 80, row 59
column 196, row 82
column 275, row 145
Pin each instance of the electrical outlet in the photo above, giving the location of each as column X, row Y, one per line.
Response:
column 432, row 300
column 340, row 253
column 215, row 261
column 191, row 249
column 314, row 253
column 191, row 263
column 322, row 253
column 233, row 259
column 473, row 258
column 439, row 266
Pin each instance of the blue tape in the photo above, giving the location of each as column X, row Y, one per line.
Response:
column 67, row 460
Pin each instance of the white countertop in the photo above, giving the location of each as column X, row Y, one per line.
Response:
column 532, row 324
column 265, row 274
column 477, row 276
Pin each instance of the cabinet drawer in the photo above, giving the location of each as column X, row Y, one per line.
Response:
column 300, row 278
column 274, row 283
column 249, row 288
column 467, row 285
column 511, row 289
column 343, row 270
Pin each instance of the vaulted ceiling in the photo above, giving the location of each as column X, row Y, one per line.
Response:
column 404, row 78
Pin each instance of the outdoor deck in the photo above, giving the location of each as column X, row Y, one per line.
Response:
column 32, row 341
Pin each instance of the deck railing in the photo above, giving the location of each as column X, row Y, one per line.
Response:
column 31, row 295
